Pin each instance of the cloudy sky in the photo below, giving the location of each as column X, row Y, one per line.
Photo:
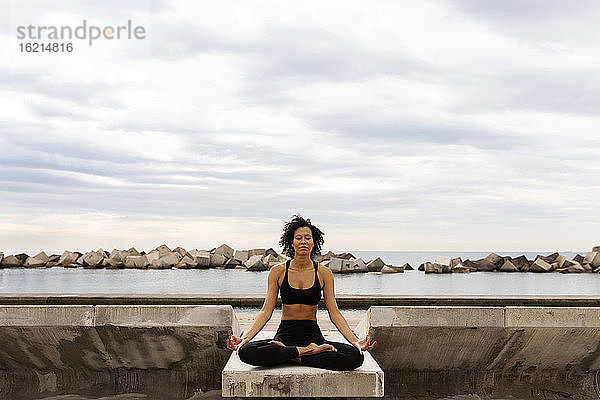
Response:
column 393, row 125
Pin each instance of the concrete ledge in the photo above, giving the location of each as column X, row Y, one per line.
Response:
column 552, row 317
column 293, row 380
column 161, row 315
column 47, row 316
column 436, row 316
column 346, row 301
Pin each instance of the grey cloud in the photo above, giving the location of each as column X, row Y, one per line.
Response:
column 517, row 12
column 393, row 133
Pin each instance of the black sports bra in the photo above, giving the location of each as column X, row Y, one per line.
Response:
column 290, row 295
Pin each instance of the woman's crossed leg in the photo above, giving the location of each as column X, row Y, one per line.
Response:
column 328, row 355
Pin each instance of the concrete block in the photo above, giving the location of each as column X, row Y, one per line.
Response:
column 461, row 269
column 12, row 261
column 217, row 260
column 34, row 315
column 272, row 252
column 198, row 253
column 92, row 259
column 433, row 268
column 339, row 265
column 482, row 265
column 257, row 252
column 359, row 265
column 443, row 260
column 136, row 262
column 381, row 316
column 232, row 263
column 224, row 250
column 116, row 259
column 554, row 317
column 292, row 380
column 180, row 250
column 68, row 257
column 1, row 257
column 521, row 262
column 592, row 258
column 443, row 264
column 375, row 265
column 539, row 265
column 203, row 261
column 391, row 269
column 550, row 258
column 42, row 256
column 574, row 267
column 494, row 259
column 269, row 260
column 132, row 251
column 596, row 248
column 241, row 255
column 36, row 261
column 508, row 267
column 163, row 250
column 186, row 262
column 472, row 265
column 153, row 255
column 255, row 263
column 165, row 262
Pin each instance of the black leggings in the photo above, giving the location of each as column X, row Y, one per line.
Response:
column 294, row 333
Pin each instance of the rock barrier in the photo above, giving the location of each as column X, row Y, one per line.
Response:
column 227, row 257
column 554, row 262
column 163, row 257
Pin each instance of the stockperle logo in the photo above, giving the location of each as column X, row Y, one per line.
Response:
column 85, row 31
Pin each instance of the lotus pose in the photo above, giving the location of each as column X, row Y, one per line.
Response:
column 298, row 337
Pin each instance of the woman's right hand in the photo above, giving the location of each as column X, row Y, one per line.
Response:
column 234, row 343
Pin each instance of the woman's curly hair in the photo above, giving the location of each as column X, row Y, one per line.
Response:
column 287, row 237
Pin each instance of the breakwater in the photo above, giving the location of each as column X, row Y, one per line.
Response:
column 226, row 257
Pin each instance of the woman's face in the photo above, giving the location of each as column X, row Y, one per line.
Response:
column 303, row 242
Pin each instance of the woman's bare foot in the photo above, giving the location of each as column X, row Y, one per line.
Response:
column 314, row 348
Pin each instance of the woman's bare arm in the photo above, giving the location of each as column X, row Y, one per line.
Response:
column 265, row 313
column 332, row 308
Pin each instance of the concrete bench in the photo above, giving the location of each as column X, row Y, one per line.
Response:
column 488, row 352
column 165, row 352
column 240, row 380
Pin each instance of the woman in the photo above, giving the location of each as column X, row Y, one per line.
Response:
column 298, row 337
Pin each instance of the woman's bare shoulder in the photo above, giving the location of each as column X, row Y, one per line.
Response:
column 278, row 268
column 325, row 272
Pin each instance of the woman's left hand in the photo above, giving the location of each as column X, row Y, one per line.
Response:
column 364, row 344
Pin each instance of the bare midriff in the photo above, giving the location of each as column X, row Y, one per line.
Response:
column 299, row 311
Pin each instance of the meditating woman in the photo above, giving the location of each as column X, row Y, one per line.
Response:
column 298, row 337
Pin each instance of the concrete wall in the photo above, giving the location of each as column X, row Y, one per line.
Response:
column 490, row 352
column 166, row 352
